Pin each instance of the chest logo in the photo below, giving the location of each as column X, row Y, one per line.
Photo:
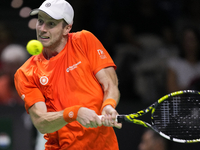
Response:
column 44, row 80
column 70, row 68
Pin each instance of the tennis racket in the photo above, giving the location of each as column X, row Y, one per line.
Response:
column 175, row 116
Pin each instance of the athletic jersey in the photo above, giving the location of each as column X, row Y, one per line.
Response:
column 66, row 80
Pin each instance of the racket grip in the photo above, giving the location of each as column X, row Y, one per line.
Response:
column 119, row 118
column 100, row 116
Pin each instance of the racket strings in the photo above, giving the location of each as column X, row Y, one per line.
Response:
column 179, row 117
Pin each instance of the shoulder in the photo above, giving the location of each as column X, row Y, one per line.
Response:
column 31, row 61
column 29, row 65
column 83, row 34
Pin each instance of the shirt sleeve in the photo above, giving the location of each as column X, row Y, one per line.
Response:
column 97, row 55
column 27, row 89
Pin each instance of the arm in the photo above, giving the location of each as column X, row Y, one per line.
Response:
column 46, row 122
column 108, row 79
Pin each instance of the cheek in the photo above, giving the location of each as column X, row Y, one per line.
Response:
column 57, row 34
column 37, row 31
column 56, row 37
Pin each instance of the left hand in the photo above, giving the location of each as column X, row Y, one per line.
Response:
column 88, row 118
column 109, row 117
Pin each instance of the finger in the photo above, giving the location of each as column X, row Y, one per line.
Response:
column 98, row 120
column 93, row 125
column 110, row 121
column 118, row 125
column 87, row 123
column 86, row 126
column 105, row 120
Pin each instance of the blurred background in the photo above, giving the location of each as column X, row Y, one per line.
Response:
column 154, row 43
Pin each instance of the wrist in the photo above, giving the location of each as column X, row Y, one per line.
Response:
column 70, row 113
column 109, row 101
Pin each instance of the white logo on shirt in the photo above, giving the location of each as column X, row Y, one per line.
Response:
column 44, row 80
column 73, row 67
column 101, row 54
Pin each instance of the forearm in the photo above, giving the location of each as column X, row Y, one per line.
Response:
column 112, row 92
column 44, row 121
column 107, row 77
column 48, row 122
column 111, row 99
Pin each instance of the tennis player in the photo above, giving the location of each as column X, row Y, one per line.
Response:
column 69, row 84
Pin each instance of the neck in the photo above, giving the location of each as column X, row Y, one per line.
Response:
column 54, row 49
column 49, row 54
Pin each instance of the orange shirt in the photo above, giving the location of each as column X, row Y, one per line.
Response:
column 66, row 80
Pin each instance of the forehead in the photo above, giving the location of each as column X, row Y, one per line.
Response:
column 45, row 16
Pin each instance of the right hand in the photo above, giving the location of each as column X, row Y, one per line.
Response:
column 88, row 118
column 109, row 117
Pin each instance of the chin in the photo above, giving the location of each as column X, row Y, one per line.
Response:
column 45, row 43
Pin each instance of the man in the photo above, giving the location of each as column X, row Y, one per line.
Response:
column 152, row 141
column 69, row 84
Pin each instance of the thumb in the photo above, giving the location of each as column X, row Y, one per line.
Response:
column 103, row 113
column 118, row 125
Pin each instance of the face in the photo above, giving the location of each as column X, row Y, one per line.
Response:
column 147, row 142
column 50, row 31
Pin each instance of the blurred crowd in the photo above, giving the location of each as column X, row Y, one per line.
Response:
column 154, row 43
column 12, row 56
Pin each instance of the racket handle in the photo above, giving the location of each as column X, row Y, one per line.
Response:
column 119, row 118
column 100, row 116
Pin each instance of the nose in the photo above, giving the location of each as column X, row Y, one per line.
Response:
column 43, row 28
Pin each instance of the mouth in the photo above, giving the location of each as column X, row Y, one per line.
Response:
column 43, row 37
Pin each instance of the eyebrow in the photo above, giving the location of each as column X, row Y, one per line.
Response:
column 48, row 17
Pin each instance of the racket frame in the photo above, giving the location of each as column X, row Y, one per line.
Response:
column 131, row 117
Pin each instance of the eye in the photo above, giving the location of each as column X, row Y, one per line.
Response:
column 52, row 24
column 40, row 21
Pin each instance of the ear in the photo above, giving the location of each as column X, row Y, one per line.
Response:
column 67, row 29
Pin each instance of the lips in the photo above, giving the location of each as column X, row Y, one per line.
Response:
column 44, row 37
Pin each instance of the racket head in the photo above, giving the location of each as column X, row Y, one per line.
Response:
column 176, row 116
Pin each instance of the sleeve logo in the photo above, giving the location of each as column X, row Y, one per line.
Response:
column 101, row 54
